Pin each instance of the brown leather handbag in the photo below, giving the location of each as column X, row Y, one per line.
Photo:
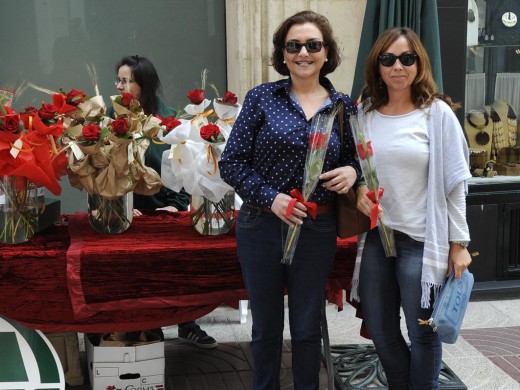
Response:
column 349, row 220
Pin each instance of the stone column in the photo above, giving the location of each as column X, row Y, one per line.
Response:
column 250, row 25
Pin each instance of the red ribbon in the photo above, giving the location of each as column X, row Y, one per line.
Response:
column 312, row 207
column 375, row 207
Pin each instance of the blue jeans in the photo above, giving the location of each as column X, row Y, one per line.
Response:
column 386, row 284
column 260, row 240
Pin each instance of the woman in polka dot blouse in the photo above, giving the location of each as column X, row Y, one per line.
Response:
column 264, row 160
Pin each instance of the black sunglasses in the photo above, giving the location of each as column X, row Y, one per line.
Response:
column 294, row 47
column 407, row 59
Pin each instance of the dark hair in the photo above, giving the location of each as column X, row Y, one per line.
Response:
column 424, row 88
column 146, row 77
column 300, row 18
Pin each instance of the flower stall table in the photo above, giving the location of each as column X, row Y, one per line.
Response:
column 159, row 272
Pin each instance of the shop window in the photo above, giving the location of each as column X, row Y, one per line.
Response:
column 492, row 103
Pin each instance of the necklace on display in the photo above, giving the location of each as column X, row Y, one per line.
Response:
column 481, row 137
column 498, row 134
column 512, row 124
column 471, row 117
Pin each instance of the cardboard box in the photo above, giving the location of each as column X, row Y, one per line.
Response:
column 67, row 347
column 125, row 368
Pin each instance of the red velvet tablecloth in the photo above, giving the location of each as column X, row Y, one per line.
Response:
column 159, row 272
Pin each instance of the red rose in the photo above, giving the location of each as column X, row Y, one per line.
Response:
column 75, row 97
column 229, row 98
column 91, row 132
column 47, row 112
column 196, row 96
column 363, row 151
column 318, row 140
column 210, row 132
column 170, row 123
column 126, row 99
column 30, row 110
column 10, row 123
column 119, row 126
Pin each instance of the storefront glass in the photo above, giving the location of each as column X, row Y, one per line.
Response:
column 493, row 87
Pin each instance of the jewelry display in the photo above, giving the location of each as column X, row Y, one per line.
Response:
column 477, row 158
column 512, row 124
column 481, row 137
column 498, row 141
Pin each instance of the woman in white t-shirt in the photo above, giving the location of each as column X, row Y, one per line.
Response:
column 422, row 164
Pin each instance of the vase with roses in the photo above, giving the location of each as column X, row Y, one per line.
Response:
column 197, row 141
column 106, row 158
column 27, row 163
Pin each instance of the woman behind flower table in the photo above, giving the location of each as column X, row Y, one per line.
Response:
column 264, row 160
column 422, row 161
column 137, row 75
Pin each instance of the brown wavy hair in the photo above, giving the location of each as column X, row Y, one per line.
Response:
column 323, row 25
column 424, row 89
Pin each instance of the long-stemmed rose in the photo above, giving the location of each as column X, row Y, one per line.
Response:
column 321, row 128
column 368, row 166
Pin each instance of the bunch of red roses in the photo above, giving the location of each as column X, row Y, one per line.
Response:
column 105, row 155
column 29, row 144
column 29, row 158
column 198, row 138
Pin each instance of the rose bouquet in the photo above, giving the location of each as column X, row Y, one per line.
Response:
column 198, row 138
column 106, row 159
column 27, row 160
column 368, row 166
column 321, row 128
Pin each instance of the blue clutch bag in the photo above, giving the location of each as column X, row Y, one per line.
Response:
column 450, row 307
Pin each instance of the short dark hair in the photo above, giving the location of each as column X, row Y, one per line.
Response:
column 146, row 77
column 323, row 25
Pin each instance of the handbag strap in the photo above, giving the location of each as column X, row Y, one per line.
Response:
column 341, row 131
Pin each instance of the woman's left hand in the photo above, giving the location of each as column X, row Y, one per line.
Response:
column 340, row 179
column 458, row 259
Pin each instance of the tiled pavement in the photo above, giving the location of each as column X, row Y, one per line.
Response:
column 486, row 355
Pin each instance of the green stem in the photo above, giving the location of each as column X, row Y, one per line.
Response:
column 18, row 214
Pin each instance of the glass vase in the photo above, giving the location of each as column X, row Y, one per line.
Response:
column 212, row 218
column 18, row 214
column 110, row 216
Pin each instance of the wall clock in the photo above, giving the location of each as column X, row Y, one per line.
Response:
column 509, row 19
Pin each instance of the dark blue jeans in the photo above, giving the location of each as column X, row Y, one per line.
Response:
column 386, row 284
column 260, row 240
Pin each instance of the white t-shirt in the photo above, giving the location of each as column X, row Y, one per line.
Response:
column 401, row 152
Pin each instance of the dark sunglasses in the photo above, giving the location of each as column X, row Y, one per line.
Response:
column 407, row 59
column 294, row 47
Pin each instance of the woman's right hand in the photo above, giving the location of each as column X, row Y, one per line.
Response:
column 280, row 206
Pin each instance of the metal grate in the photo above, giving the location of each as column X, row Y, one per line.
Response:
column 356, row 366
